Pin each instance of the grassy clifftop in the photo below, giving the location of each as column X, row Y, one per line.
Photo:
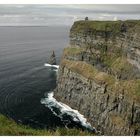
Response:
column 9, row 127
column 130, row 87
column 88, row 71
column 113, row 26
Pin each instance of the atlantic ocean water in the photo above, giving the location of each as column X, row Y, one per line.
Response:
column 25, row 81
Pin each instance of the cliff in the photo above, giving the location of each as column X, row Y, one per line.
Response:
column 99, row 75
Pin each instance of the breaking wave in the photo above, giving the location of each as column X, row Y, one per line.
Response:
column 53, row 66
column 65, row 113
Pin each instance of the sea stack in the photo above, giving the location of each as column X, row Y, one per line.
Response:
column 52, row 59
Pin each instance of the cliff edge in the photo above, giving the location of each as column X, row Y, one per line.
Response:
column 99, row 75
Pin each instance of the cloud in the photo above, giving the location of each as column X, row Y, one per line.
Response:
column 106, row 15
column 64, row 14
column 115, row 18
column 20, row 6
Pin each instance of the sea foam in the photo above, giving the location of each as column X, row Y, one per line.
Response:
column 49, row 65
column 53, row 104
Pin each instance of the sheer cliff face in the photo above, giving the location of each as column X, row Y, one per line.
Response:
column 100, row 75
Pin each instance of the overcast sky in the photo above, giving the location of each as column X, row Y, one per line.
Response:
column 63, row 14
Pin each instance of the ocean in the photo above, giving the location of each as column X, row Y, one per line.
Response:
column 26, row 85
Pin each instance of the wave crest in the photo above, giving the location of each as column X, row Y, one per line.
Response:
column 60, row 110
column 53, row 66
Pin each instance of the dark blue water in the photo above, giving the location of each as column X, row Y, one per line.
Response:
column 25, row 82
column 23, row 78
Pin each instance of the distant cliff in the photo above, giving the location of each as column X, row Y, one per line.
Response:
column 99, row 75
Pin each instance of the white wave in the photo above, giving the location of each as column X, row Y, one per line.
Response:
column 56, row 70
column 49, row 65
column 51, row 102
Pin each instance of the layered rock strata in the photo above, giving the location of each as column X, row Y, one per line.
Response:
column 99, row 75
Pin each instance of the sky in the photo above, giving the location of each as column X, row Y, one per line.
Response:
column 60, row 15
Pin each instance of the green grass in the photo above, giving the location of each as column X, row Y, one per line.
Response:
column 113, row 26
column 94, row 25
column 130, row 87
column 88, row 71
column 121, row 64
column 9, row 127
column 73, row 51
